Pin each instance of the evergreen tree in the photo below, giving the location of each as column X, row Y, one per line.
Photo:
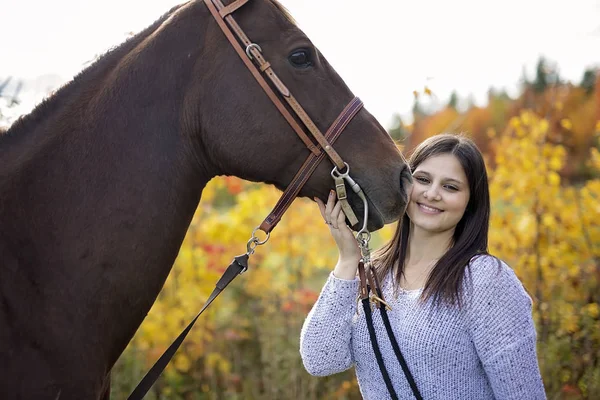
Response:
column 541, row 77
column 453, row 102
column 398, row 131
column 588, row 81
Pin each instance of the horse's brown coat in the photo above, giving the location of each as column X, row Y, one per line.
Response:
column 99, row 183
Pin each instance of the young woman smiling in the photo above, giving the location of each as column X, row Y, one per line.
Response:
column 461, row 317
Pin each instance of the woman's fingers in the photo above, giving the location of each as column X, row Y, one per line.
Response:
column 335, row 212
column 329, row 206
column 332, row 211
column 321, row 206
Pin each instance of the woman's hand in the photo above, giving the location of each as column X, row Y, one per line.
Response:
column 349, row 252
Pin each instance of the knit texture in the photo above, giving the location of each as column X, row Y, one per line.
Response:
column 486, row 350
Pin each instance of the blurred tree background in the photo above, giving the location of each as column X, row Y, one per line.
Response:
column 542, row 151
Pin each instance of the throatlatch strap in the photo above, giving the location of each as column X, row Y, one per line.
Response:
column 237, row 266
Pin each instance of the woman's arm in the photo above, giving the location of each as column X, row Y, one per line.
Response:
column 502, row 330
column 325, row 340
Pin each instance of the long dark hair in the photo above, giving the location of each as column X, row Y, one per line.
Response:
column 470, row 236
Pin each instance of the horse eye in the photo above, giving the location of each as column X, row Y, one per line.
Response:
column 300, row 58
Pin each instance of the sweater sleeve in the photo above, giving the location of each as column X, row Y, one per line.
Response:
column 325, row 339
column 502, row 329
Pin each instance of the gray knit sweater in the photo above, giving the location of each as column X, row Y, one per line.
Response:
column 486, row 350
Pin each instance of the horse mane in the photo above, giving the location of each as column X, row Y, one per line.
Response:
column 60, row 95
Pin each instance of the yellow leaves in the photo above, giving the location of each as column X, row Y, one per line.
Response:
column 426, row 90
column 594, row 161
column 592, row 310
column 182, row 362
column 547, row 230
column 553, row 178
column 548, row 221
column 526, row 228
column 214, row 361
column 566, row 123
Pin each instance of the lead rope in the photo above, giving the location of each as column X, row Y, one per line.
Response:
column 238, row 266
column 370, row 293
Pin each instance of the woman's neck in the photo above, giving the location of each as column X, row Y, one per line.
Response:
column 426, row 247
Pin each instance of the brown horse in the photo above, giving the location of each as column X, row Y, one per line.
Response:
column 99, row 183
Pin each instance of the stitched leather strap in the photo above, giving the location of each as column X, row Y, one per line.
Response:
column 225, row 11
column 309, row 166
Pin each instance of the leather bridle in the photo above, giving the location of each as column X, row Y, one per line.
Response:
column 259, row 67
column 252, row 57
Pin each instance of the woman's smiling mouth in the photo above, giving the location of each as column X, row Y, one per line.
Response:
column 428, row 209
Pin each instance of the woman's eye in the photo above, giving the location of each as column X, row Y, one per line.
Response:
column 300, row 58
column 452, row 188
column 421, row 179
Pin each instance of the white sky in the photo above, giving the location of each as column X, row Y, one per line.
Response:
column 383, row 49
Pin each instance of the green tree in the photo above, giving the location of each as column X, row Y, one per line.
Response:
column 453, row 102
column 588, row 81
column 398, row 131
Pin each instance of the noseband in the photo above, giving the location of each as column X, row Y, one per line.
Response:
column 252, row 57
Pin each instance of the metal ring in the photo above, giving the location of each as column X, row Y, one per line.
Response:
column 250, row 47
column 336, row 174
column 259, row 242
column 364, row 236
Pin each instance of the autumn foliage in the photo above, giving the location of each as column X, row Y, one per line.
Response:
column 544, row 168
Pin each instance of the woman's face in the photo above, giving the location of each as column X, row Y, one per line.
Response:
column 440, row 194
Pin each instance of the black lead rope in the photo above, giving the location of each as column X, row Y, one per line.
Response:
column 237, row 266
column 399, row 356
column 395, row 346
column 371, row 328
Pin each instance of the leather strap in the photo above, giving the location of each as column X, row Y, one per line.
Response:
column 309, row 166
column 225, row 11
column 237, row 266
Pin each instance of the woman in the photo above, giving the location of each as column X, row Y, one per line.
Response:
column 461, row 317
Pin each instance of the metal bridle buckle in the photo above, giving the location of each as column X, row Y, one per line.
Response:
column 250, row 47
column 255, row 242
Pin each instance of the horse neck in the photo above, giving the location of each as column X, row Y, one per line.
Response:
column 103, row 195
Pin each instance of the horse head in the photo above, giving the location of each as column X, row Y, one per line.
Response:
column 239, row 132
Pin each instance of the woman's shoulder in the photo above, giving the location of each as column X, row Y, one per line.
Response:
column 489, row 274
